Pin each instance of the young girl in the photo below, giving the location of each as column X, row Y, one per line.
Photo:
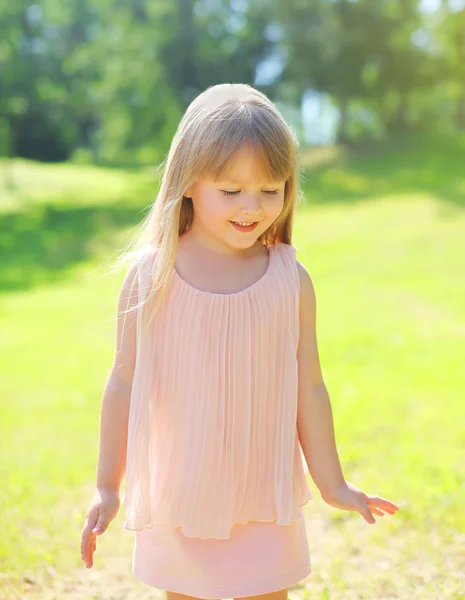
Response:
column 216, row 399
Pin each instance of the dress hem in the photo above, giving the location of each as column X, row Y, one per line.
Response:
column 275, row 520
column 212, row 592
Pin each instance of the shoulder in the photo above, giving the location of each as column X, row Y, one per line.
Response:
column 128, row 293
column 307, row 289
column 305, row 280
column 140, row 262
column 300, row 274
column 304, row 276
column 285, row 249
column 144, row 255
column 287, row 255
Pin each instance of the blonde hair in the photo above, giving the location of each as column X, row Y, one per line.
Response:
column 217, row 124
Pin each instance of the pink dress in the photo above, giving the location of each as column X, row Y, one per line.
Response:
column 215, row 475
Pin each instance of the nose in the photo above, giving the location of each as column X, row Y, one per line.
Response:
column 252, row 204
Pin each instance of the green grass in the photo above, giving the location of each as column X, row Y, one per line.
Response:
column 383, row 236
column 55, row 218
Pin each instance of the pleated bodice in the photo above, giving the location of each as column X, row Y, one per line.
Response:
column 212, row 436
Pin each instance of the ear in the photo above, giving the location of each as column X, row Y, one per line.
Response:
column 188, row 192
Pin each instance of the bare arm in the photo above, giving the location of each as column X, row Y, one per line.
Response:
column 314, row 416
column 315, row 421
column 114, row 416
column 114, row 413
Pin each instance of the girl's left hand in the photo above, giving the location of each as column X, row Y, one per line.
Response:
column 349, row 497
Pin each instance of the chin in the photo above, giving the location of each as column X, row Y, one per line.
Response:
column 242, row 244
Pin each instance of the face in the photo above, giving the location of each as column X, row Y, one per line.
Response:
column 237, row 208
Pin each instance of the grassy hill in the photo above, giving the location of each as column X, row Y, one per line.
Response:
column 382, row 233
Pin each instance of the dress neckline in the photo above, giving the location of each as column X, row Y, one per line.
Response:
column 252, row 286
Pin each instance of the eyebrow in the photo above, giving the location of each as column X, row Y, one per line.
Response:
column 239, row 181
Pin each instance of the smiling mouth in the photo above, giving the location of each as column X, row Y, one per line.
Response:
column 244, row 225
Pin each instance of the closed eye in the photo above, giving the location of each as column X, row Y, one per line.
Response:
column 235, row 192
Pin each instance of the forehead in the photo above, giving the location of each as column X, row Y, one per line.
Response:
column 245, row 168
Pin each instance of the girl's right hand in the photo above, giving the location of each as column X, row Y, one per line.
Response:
column 103, row 508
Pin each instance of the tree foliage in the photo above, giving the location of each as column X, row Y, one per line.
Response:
column 108, row 80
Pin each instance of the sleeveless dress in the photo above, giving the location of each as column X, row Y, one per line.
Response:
column 215, row 474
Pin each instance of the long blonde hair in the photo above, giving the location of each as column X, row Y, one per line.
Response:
column 216, row 125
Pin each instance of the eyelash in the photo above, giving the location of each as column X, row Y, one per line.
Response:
column 229, row 193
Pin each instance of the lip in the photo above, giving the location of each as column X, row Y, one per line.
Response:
column 244, row 229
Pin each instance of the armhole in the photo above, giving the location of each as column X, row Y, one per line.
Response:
column 290, row 262
column 294, row 279
column 144, row 273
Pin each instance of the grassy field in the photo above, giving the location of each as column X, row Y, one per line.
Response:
column 383, row 235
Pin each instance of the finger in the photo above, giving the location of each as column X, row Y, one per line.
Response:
column 89, row 560
column 86, row 540
column 86, row 554
column 101, row 526
column 383, row 503
column 87, row 535
column 377, row 511
column 366, row 512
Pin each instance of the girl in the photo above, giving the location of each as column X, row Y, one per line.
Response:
column 216, row 399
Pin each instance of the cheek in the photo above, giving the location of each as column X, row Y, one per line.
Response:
column 275, row 208
column 211, row 209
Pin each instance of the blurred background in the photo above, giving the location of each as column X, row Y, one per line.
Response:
column 107, row 81
column 91, row 92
